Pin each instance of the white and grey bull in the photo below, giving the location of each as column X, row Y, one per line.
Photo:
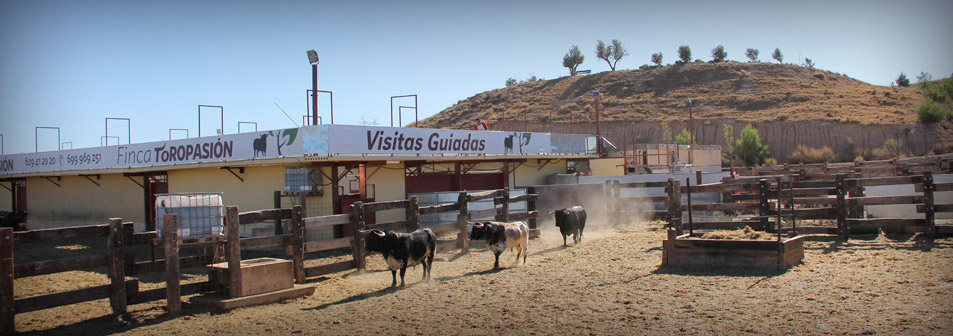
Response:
column 500, row 236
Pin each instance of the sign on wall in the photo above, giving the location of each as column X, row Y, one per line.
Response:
column 310, row 140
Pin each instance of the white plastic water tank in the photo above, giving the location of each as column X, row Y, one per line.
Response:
column 199, row 214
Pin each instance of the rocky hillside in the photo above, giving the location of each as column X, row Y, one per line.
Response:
column 729, row 92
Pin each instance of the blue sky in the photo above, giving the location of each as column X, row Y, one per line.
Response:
column 71, row 64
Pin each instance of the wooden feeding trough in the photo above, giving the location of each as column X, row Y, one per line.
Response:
column 262, row 281
column 688, row 251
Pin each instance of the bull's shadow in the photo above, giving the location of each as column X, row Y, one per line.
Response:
column 362, row 296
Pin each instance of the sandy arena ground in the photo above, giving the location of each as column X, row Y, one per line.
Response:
column 610, row 284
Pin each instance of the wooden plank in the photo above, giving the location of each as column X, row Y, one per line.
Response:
column 143, row 238
column 715, row 187
column 944, row 229
column 44, row 301
column 895, row 223
column 921, row 208
column 814, row 201
column 643, row 199
column 159, row 264
column 315, row 222
column 264, row 298
column 392, row 226
column 483, row 195
column 263, row 215
column 813, row 185
column 324, row 245
column 727, row 244
column 722, row 207
column 170, row 235
column 885, row 200
column 943, row 187
column 483, row 213
column 59, row 265
column 661, row 184
column 882, row 181
column 117, row 267
column 388, row 205
column 7, row 310
column 819, row 213
column 814, row 230
column 266, row 241
column 447, row 207
column 233, row 251
column 61, row 234
column 522, row 198
column 339, row 266
column 519, row 216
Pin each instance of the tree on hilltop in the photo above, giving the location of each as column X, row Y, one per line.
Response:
column 902, row 80
column 615, row 52
column 685, row 54
column 573, row 59
column 777, row 55
column 657, row 59
column 718, row 54
column 752, row 54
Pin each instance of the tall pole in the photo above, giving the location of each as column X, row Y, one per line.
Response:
column 691, row 133
column 314, row 92
column 595, row 93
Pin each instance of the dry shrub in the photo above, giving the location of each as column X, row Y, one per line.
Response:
column 746, row 233
column 880, row 153
column 804, row 154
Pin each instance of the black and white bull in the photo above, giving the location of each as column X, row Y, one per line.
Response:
column 403, row 249
column 499, row 236
column 571, row 221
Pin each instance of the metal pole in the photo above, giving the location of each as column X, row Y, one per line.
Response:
column 691, row 134
column 415, row 110
column 314, row 94
column 1, row 144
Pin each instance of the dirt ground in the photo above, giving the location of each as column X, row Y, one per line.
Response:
column 610, row 284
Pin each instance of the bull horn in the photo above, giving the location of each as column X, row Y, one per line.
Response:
column 552, row 212
column 364, row 232
column 478, row 225
column 379, row 233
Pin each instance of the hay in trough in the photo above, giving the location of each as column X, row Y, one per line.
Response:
column 746, row 233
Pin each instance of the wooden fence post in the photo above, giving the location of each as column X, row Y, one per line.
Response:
column 278, row 229
column 117, row 267
column 297, row 241
column 530, row 207
column 763, row 209
column 7, row 313
column 504, row 215
column 170, row 237
column 842, row 229
column 675, row 205
column 357, row 249
column 463, row 241
column 413, row 214
column 929, row 214
column 856, row 211
column 233, row 251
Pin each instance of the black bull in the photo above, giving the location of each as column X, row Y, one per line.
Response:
column 403, row 249
column 571, row 221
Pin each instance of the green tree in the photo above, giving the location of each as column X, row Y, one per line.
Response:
column 612, row 53
column 685, row 138
column 777, row 55
column 573, row 59
column 510, row 82
column 685, row 54
column 750, row 148
column 902, row 80
column 924, row 78
column 718, row 54
column 809, row 63
column 752, row 54
column 930, row 112
column 657, row 59
column 730, row 142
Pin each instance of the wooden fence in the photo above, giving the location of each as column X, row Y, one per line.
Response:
column 122, row 291
column 765, row 203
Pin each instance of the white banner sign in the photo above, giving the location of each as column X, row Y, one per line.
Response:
column 398, row 140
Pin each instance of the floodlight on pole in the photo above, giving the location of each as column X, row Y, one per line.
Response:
column 313, row 58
